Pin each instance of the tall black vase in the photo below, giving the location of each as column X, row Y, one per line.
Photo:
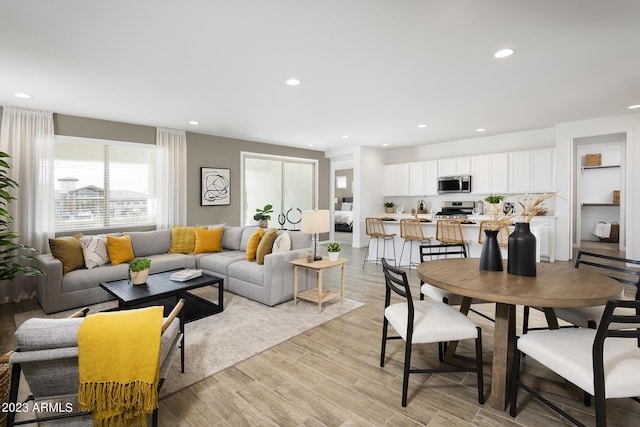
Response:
column 491, row 257
column 522, row 251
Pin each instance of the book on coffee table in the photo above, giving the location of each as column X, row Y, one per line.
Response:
column 186, row 274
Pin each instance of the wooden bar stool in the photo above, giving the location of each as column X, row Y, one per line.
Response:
column 503, row 235
column 375, row 230
column 411, row 231
column 449, row 231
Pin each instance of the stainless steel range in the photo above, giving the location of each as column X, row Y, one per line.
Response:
column 455, row 210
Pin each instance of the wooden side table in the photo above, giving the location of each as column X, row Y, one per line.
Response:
column 318, row 295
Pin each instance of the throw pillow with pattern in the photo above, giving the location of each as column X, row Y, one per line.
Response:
column 95, row 250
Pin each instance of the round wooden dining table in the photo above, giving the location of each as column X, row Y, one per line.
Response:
column 555, row 285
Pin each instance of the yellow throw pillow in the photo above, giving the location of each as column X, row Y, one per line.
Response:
column 252, row 244
column 69, row 251
column 183, row 239
column 266, row 245
column 208, row 240
column 120, row 249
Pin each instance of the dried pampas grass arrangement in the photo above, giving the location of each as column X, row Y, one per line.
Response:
column 497, row 222
column 533, row 207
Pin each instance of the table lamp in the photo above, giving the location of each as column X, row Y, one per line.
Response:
column 315, row 222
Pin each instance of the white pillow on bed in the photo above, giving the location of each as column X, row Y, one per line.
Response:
column 346, row 206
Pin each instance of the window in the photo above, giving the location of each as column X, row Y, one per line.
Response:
column 286, row 183
column 102, row 184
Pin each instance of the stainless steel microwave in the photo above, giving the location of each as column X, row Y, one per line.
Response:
column 454, row 184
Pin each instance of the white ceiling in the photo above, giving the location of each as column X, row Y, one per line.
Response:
column 370, row 69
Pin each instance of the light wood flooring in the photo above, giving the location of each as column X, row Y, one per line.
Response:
column 330, row 376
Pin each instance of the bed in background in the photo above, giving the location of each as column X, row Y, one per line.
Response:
column 343, row 218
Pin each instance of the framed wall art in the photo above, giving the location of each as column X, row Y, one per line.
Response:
column 215, row 186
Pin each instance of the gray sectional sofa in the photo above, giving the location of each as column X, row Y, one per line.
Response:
column 270, row 283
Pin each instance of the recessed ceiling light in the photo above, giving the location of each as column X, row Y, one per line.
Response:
column 193, row 122
column 503, row 53
column 311, row 145
column 345, row 136
column 385, row 145
column 293, row 82
column 480, row 130
column 633, row 107
column 22, row 95
column 422, row 126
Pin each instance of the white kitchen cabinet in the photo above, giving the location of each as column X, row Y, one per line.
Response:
column 395, row 180
column 423, row 178
column 531, row 171
column 480, row 175
column 520, row 172
column 499, row 173
column 542, row 171
column 431, row 178
column 546, row 226
column 489, row 174
column 416, row 179
column 454, row 166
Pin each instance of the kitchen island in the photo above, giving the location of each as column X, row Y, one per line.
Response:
column 542, row 227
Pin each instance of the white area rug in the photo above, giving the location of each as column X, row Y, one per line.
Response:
column 245, row 328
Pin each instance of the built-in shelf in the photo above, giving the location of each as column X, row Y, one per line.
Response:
column 600, row 167
column 601, row 204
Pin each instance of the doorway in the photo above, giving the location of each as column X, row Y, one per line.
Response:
column 599, row 193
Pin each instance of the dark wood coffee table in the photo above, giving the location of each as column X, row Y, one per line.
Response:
column 161, row 290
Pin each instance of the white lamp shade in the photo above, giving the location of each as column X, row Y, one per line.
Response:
column 315, row 221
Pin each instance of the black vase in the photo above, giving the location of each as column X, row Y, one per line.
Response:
column 491, row 257
column 522, row 251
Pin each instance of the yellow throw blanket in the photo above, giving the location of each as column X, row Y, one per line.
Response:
column 118, row 364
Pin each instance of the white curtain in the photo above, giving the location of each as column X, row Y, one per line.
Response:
column 28, row 137
column 172, row 177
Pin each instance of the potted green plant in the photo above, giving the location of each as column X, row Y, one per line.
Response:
column 12, row 252
column 389, row 207
column 494, row 202
column 333, row 249
column 139, row 270
column 263, row 215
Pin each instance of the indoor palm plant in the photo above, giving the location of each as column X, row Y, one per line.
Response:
column 12, row 253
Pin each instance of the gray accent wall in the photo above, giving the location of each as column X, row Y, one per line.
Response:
column 221, row 152
column 202, row 151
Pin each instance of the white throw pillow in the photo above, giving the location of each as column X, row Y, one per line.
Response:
column 214, row 226
column 347, row 206
column 282, row 243
column 94, row 249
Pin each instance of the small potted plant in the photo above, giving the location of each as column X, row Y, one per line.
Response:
column 494, row 202
column 333, row 249
column 262, row 215
column 389, row 207
column 139, row 270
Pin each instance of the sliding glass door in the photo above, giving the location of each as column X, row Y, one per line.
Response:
column 286, row 183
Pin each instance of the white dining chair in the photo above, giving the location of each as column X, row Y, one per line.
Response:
column 605, row 363
column 422, row 322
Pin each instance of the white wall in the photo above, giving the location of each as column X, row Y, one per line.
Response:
column 367, row 184
column 566, row 136
column 527, row 140
column 367, row 175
